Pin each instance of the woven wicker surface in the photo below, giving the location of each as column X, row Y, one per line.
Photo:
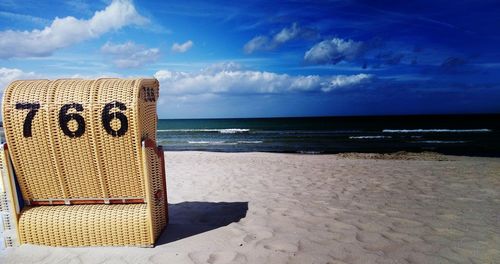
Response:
column 103, row 225
column 86, row 225
column 98, row 163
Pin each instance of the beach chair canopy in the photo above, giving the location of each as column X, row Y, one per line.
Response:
column 90, row 144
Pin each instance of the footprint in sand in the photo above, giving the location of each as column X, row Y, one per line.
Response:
column 172, row 257
column 338, row 224
column 467, row 199
column 448, row 216
column 371, row 237
column 449, row 231
column 402, row 237
column 226, row 257
column 403, row 222
column 219, row 257
column 250, row 236
column 282, row 246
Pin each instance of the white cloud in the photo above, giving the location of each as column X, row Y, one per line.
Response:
column 67, row 31
column 334, row 51
column 231, row 79
column 129, row 54
column 8, row 75
column 222, row 66
column 345, row 80
column 269, row 43
column 181, row 48
column 287, row 34
column 257, row 43
column 126, row 47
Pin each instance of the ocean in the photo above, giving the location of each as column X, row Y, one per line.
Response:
column 477, row 135
column 474, row 135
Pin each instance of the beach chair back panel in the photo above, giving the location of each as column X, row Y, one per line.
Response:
column 22, row 114
column 79, row 139
column 117, row 138
column 78, row 173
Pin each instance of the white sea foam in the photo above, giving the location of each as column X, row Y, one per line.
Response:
column 308, row 152
column 369, row 137
column 442, row 141
column 310, row 131
column 435, row 130
column 250, row 141
column 203, row 142
column 220, row 130
column 233, row 130
column 212, row 142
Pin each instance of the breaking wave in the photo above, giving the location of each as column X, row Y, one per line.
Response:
column 369, row 137
column 435, row 130
column 218, row 130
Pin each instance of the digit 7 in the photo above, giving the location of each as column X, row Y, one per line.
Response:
column 28, row 121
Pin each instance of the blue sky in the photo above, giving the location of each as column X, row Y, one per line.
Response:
column 268, row 58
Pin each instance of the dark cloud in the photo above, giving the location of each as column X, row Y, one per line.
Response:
column 369, row 54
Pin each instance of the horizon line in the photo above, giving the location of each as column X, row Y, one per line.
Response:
column 342, row 116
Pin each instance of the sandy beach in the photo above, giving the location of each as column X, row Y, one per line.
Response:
column 293, row 208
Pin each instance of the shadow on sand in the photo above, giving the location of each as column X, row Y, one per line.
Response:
column 192, row 218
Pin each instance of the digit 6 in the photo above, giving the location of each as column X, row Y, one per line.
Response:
column 107, row 117
column 64, row 119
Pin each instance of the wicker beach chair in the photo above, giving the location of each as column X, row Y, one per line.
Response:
column 85, row 158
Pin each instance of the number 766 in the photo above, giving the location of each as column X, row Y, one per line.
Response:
column 64, row 118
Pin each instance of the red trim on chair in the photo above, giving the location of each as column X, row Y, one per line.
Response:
column 149, row 143
column 89, row 201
